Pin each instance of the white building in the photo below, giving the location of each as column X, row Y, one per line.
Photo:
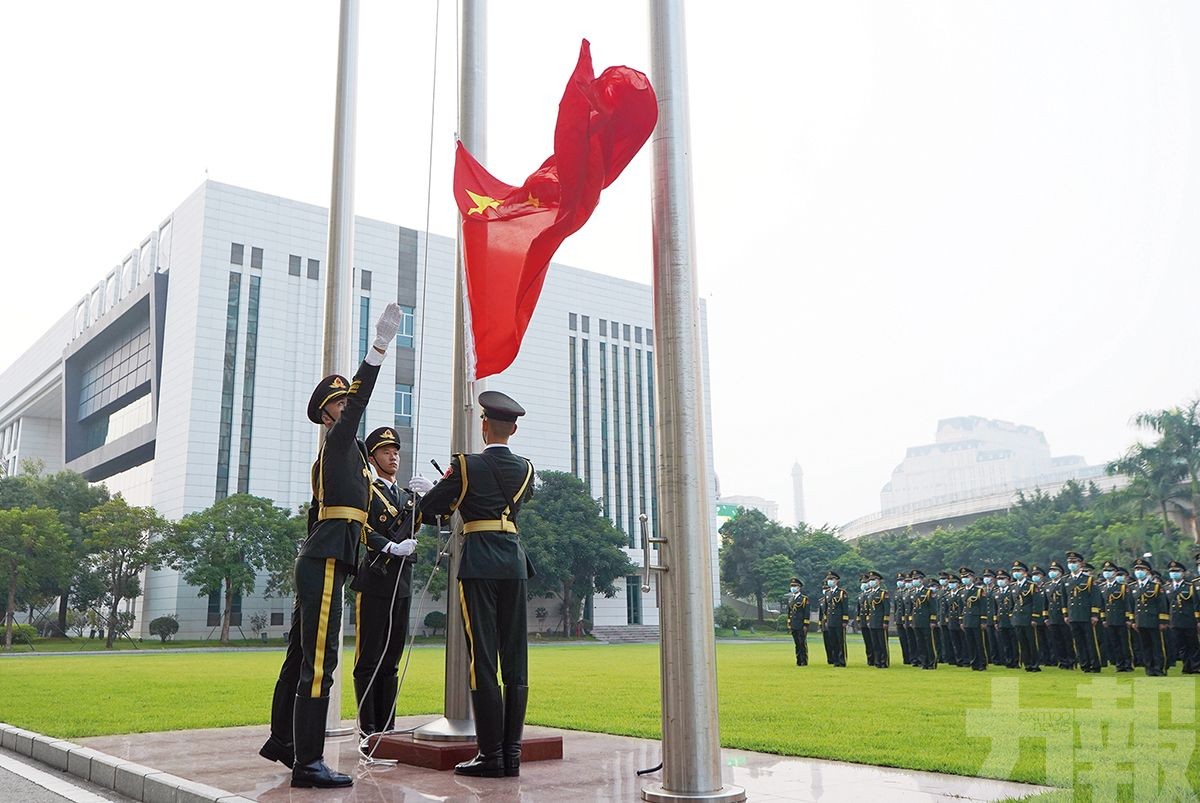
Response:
column 183, row 377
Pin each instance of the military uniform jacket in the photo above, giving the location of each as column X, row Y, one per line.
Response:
column 1149, row 604
column 878, row 608
column 341, row 481
column 1055, row 603
column 1005, row 604
column 977, row 607
column 1081, row 597
column 1118, row 604
column 834, row 612
column 798, row 611
column 478, row 486
column 925, row 608
column 1028, row 603
column 1181, row 603
column 389, row 519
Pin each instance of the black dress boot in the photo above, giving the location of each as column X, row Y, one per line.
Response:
column 366, row 697
column 278, row 746
column 515, row 700
column 385, row 699
column 489, row 733
column 310, row 769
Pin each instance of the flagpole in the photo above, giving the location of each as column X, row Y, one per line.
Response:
column 340, row 259
column 458, row 724
column 691, row 735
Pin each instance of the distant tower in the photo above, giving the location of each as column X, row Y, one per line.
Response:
column 798, row 492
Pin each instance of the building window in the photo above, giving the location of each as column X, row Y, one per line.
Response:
column 248, row 373
column 649, row 336
column 584, row 323
column 618, row 495
column 633, row 599
column 364, row 326
column 215, row 610
column 603, row 328
column 571, row 321
column 277, row 619
column 256, row 258
column 314, row 269
column 629, row 447
column 236, row 251
column 404, row 405
column 637, row 334
column 587, row 418
column 365, row 279
column 605, row 500
column 408, row 327
column 574, row 392
column 225, row 433
column 625, row 332
column 294, row 265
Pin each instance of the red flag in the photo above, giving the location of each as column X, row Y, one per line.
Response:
column 511, row 233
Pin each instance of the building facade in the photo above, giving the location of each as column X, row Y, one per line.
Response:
column 182, row 377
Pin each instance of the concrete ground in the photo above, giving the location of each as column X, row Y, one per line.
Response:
column 595, row 767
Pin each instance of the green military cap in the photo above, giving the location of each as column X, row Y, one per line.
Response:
column 331, row 388
column 384, row 436
column 1175, row 565
column 796, row 581
column 1142, row 563
column 500, row 407
column 1074, row 556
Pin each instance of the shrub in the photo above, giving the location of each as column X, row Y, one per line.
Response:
column 23, row 634
column 164, row 627
column 781, row 622
column 435, row 621
column 725, row 617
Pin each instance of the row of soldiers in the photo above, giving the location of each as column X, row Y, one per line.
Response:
column 1020, row 617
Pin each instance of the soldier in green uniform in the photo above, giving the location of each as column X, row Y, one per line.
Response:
column 1028, row 607
column 1058, row 630
column 878, row 614
column 1082, row 611
column 924, row 619
column 954, row 620
column 1117, row 616
column 1005, row 603
column 941, row 630
column 1151, row 617
column 1108, row 650
column 1185, row 616
column 1041, row 628
column 860, row 618
column 834, row 616
column 488, row 489
column 976, row 610
column 383, row 584
column 899, row 616
column 341, row 490
column 994, row 652
column 798, row 611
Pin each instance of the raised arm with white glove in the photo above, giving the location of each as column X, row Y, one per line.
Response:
column 402, row 549
column 385, row 332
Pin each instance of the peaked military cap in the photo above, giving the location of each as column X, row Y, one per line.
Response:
column 1142, row 563
column 964, row 571
column 1175, row 565
column 500, row 407
column 945, row 575
column 917, row 574
column 1054, row 564
column 1035, row 569
column 874, row 575
column 796, row 581
column 899, row 575
column 1074, row 556
column 1121, row 570
column 1001, row 573
column 384, row 436
column 331, row 388
column 832, row 575
column 1019, row 565
column 1154, row 573
column 1109, row 566
column 1087, row 567
column 988, row 573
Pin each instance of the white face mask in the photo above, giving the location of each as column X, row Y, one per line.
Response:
column 987, row 581
column 872, row 583
column 795, row 589
column 1054, row 574
column 1002, row 582
column 1037, row 578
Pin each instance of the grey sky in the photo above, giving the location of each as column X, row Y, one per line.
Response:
column 904, row 211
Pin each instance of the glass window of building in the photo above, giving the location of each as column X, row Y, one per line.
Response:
column 365, row 278
column 314, row 269
column 571, row 321
column 164, row 246
column 256, row 255
column 236, row 253
column 584, row 323
column 128, row 276
column 294, row 263
column 404, row 402
column 145, row 261
column 408, row 326
column 110, row 289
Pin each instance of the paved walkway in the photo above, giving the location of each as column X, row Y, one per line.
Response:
column 596, row 767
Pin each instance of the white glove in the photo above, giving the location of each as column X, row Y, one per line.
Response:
column 419, row 484
column 385, row 331
column 402, row 549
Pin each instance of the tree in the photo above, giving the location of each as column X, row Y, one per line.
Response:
column 164, row 627
column 1180, row 431
column 572, row 544
column 222, row 549
column 435, row 621
column 747, row 540
column 1154, row 471
column 70, row 495
column 121, row 542
column 775, row 572
column 33, row 550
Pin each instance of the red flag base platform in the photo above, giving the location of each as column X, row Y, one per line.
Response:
column 444, row 755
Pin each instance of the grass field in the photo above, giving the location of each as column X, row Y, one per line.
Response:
column 1002, row 723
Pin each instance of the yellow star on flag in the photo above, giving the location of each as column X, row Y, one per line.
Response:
column 482, row 203
column 534, row 201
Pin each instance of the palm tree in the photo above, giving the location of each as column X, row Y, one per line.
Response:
column 1154, row 471
column 1180, row 431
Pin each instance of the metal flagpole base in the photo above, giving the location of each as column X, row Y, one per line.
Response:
column 446, row 730
column 726, row 794
column 339, row 731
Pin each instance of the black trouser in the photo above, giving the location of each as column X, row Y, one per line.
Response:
column 976, row 647
column 1060, row 642
column 945, row 653
column 879, row 644
column 835, row 645
column 905, row 643
column 1154, row 651
column 959, row 646
column 868, row 645
column 1027, row 645
column 1120, row 641
column 800, row 638
column 1189, row 649
column 1171, row 647
column 1041, row 634
column 381, row 629
column 1086, row 646
column 494, row 623
column 1006, row 640
column 1104, row 648
column 926, row 657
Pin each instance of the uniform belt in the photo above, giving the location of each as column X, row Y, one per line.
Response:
column 490, row 526
column 342, row 512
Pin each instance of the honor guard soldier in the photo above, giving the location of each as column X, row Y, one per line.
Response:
column 924, row 620
column 488, row 490
column 954, row 618
column 899, row 615
column 1082, row 600
column 941, row 632
column 1041, row 627
column 976, row 611
column 1118, row 616
column 1151, row 617
column 834, row 616
column 341, row 490
column 1185, row 617
column 1006, row 639
column 877, row 614
column 1108, row 571
column 1058, row 630
column 1028, row 607
column 798, row 611
column 383, row 584
column 995, row 654
column 860, row 619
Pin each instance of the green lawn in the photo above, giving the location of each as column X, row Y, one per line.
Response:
column 950, row 720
